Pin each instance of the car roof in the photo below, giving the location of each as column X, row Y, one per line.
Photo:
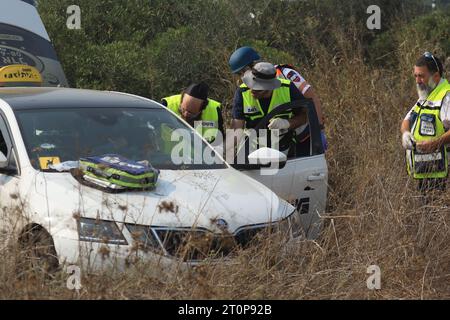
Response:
column 21, row 98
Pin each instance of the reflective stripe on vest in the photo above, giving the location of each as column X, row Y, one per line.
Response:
column 428, row 126
column 252, row 108
column 209, row 119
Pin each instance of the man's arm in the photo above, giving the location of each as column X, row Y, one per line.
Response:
column 220, row 135
column 220, row 121
column 311, row 94
column 237, row 111
column 238, row 124
column 434, row 144
column 298, row 120
column 306, row 90
column 405, row 129
column 405, row 126
column 300, row 116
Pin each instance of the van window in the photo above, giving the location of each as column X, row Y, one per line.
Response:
column 19, row 46
column 32, row 2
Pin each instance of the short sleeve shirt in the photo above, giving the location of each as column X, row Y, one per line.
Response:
column 296, row 78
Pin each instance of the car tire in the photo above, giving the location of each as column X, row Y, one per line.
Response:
column 37, row 252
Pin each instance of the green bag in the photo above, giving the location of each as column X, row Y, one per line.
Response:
column 116, row 172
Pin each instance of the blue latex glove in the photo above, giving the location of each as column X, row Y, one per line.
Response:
column 324, row 140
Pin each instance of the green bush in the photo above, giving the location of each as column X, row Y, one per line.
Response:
column 177, row 58
column 119, row 66
column 430, row 32
column 269, row 53
column 155, row 48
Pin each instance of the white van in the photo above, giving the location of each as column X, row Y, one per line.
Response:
column 24, row 41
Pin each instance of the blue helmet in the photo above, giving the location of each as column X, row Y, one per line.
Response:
column 241, row 58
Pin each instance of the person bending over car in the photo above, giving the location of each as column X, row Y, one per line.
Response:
column 194, row 106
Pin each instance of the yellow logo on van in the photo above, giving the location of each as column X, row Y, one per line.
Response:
column 20, row 75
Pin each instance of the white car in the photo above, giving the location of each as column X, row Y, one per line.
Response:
column 44, row 207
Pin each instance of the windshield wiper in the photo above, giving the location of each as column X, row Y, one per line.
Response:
column 49, row 170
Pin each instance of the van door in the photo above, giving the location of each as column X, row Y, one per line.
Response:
column 9, row 197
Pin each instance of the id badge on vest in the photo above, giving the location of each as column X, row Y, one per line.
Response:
column 427, row 125
column 251, row 109
column 208, row 124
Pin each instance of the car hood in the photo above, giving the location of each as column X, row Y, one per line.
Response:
column 195, row 198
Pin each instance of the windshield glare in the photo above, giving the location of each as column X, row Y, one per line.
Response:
column 136, row 134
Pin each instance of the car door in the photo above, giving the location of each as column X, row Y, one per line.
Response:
column 303, row 180
column 9, row 197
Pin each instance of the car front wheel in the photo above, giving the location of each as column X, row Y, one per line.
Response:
column 37, row 252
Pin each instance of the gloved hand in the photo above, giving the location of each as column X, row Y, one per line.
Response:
column 407, row 140
column 278, row 123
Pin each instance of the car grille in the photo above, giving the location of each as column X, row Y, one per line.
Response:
column 195, row 244
column 245, row 236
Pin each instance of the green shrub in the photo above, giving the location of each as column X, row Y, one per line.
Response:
column 177, row 58
column 430, row 32
column 119, row 66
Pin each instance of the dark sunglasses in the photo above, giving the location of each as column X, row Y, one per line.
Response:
column 430, row 55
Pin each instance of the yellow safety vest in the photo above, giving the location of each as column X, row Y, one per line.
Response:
column 252, row 108
column 427, row 126
column 209, row 117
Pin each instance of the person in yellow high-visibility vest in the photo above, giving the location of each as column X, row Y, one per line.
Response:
column 194, row 106
column 425, row 129
column 262, row 92
column 244, row 58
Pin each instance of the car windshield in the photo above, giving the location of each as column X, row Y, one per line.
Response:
column 138, row 134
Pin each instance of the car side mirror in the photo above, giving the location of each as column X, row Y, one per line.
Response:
column 267, row 157
column 5, row 165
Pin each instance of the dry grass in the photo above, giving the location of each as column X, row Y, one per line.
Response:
column 377, row 217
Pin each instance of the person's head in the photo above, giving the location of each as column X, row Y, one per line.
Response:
column 243, row 59
column 193, row 100
column 261, row 80
column 428, row 71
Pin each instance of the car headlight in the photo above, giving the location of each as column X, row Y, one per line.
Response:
column 93, row 230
